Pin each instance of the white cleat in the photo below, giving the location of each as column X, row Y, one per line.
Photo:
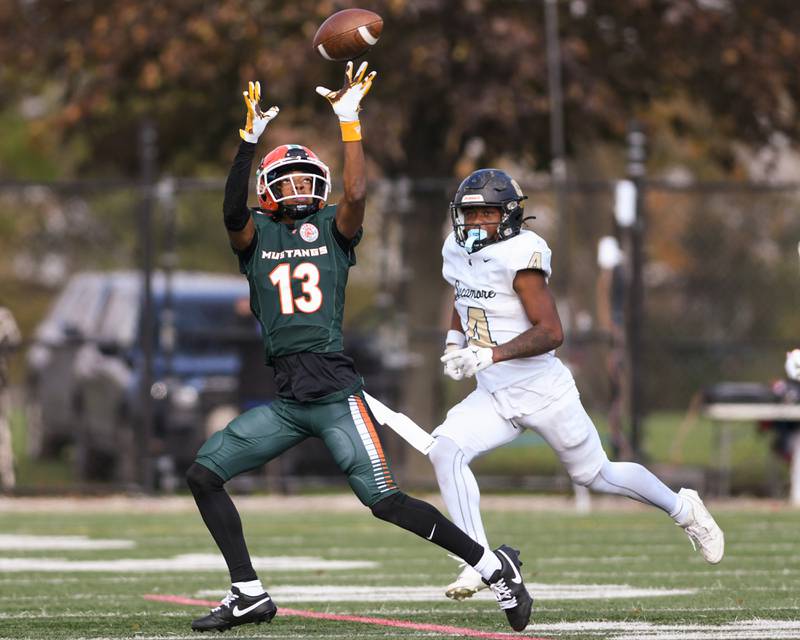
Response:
column 466, row 585
column 703, row 531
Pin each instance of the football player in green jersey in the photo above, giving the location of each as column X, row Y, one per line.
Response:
column 296, row 251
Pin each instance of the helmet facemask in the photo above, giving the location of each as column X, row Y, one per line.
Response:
column 487, row 188
column 274, row 181
column 476, row 236
column 272, row 176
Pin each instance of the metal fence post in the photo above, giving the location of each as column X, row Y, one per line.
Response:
column 636, row 169
column 558, row 163
column 147, row 175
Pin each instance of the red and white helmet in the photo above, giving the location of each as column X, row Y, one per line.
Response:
column 299, row 160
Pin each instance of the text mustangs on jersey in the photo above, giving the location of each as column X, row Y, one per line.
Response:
column 294, row 253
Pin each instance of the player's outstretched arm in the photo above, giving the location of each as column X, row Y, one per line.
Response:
column 346, row 103
column 546, row 333
column 236, row 214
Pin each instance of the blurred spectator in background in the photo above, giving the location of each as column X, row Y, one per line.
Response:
column 792, row 364
column 611, row 319
column 10, row 339
column 787, row 391
column 786, row 433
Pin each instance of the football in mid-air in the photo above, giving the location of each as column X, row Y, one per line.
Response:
column 348, row 34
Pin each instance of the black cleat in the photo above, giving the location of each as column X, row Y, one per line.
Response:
column 237, row 608
column 510, row 591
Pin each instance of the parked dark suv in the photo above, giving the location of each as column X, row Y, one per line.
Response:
column 202, row 327
column 50, row 380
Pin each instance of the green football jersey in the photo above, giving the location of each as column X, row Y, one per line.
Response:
column 297, row 277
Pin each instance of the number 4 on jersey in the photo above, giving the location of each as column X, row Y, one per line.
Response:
column 478, row 328
column 311, row 300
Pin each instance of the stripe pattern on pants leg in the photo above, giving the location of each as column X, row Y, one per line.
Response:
column 369, row 437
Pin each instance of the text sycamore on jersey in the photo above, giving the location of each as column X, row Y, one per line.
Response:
column 475, row 294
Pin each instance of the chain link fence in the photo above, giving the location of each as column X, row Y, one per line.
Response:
column 721, row 275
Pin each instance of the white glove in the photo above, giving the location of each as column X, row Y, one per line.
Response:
column 451, row 370
column 469, row 360
column 346, row 102
column 793, row 364
column 257, row 120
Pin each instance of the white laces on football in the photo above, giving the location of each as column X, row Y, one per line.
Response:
column 505, row 598
column 226, row 601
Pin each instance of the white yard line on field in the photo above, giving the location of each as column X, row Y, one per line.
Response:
column 187, row 562
column 736, row 573
column 741, row 630
column 641, row 559
column 12, row 542
column 335, row 593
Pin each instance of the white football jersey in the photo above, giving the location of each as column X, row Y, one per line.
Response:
column 491, row 311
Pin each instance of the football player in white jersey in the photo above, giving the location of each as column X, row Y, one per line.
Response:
column 504, row 330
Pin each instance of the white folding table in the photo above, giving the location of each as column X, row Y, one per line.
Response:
column 724, row 413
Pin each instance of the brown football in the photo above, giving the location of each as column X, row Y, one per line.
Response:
column 348, row 34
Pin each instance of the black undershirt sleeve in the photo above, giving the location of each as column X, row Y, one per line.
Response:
column 234, row 208
column 345, row 243
column 244, row 255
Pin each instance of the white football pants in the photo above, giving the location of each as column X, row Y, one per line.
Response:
column 474, row 427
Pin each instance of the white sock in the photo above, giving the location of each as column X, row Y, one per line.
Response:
column 682, row 514
column 488, row 564
column 250, row 588
column 459, row 488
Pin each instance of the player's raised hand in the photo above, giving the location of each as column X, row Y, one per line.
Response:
column 257, row 120
column 468, row 361
column 346, row 102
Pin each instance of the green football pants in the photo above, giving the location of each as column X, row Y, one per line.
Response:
column 263, row 433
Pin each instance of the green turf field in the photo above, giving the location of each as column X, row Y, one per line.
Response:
column 620, row 572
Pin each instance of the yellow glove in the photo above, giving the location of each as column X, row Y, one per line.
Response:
column 257, row 120
column 346, row 102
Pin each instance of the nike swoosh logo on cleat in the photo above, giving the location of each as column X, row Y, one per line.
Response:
column 238, row 613
column 430, row 537
column 517, row 579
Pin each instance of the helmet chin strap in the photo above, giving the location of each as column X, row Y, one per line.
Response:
column 473, row 236
column 298, row 212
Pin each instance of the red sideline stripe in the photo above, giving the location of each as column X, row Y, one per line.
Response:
column 383, row 622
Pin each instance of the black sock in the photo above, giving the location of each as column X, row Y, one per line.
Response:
column 222, row 520
column 427, row 522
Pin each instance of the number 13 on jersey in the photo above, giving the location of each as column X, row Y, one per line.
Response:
column 307, row 272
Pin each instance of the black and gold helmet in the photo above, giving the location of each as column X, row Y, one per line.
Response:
column 488, row 188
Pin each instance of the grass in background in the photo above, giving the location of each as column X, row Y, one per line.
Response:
column 754, row 466
column 36, row 475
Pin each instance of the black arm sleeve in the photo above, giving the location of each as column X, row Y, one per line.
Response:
column 234, row 208
column 345, row 243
